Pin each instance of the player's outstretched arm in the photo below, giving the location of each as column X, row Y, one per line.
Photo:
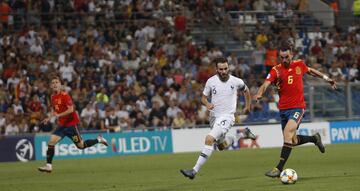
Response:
column 262, row 90
column 319, row 74
column 247, row 100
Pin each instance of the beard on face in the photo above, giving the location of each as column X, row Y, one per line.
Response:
column 223, row 77
column 286, row 63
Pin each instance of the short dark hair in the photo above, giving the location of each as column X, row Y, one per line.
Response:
column 286, row 45
column 219, row 60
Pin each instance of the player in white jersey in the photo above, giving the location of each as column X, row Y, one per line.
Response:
column 222, row 90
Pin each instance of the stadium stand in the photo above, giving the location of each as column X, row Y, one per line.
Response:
column 135, row 65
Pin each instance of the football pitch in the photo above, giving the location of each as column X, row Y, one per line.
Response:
column 337, row 169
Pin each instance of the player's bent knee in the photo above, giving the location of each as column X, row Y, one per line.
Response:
column 209, row 140
column 52, row 142
column 294, row 139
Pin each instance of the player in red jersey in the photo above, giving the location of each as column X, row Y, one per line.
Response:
column 68, row 121
column 287, row 76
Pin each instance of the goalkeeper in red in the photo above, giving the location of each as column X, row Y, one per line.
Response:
column 288, row 77
column 68, row 121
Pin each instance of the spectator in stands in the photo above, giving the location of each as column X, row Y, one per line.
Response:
column 23, row 126
column 157, row 115
column 19, row 8
column 336, row 72
column 180, row 22
column 102, row 98
column 260, row 5
column 3, row 92
column 233, row 7
column 112, row 121
column 356, row 8
column 261, row 38
column 289, row 15
column 122, row 112
column 140, row 123
column 257, row 58
column 271, row 57
column 23, row 90
column 12, row 128
column 3, row 106
column 214, row 53
column 142, row 103
column 4, row 13
column 316, row 49
column 36, row 48
column 87, row 115
column 354, row 73
column 279, row 6
column 172, row 94
column 17, row 107
column 244, row 67
column 183, row 95
column 233, row 61
column 3, row 123
column 67, row 71
column 334, row 5
column 97, row 123
column 301, row 5
column 178, row 121
column 172, row 110
column 239, row 33
column 35, row 111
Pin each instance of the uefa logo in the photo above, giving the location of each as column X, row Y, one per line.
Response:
column 24, row 150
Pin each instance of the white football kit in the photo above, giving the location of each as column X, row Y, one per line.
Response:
column 224, row 97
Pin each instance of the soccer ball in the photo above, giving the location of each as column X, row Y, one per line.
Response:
column 288, row 176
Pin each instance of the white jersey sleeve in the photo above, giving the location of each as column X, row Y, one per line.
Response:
column 207, row 88
column 241, row 84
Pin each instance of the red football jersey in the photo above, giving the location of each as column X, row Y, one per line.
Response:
column 290, row 84
column 61, row 103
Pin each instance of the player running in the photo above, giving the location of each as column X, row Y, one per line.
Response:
column 68, row 121
column 287, row 76
column 222, row 89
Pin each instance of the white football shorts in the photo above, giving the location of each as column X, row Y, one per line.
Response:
column 220, row 126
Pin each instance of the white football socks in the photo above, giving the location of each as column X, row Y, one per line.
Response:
column 205, row 154
column 239, row 135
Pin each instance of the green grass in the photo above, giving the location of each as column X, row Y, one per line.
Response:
column 337, row 169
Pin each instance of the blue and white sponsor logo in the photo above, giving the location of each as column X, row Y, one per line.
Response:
column 304, row 131
column 128, row 143
column 141, row 144
column 345, row 132
column 310, row 130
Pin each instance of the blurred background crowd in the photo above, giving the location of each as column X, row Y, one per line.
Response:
column 135, row 65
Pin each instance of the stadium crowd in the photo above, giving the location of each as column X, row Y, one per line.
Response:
column 133, row 65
